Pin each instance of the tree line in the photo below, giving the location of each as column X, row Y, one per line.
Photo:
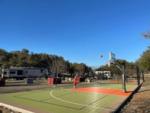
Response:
column 54, row 63
column 144, row 61
column 130, row 68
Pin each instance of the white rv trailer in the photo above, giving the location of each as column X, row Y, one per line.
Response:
column 106, row 74
column 23, row 72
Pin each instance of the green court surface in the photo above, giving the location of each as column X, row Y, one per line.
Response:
column 67, row 100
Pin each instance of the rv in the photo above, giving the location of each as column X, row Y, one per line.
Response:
column 23, row 72
column 103, row 74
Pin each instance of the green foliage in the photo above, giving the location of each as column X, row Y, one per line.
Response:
column 144, row 61
column 130, row 68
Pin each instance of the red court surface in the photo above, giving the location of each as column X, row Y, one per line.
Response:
column 103, row 91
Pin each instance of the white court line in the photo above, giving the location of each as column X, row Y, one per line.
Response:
column 51, row 94
column 83, row 105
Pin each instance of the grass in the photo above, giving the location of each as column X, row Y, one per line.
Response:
column 65, row 100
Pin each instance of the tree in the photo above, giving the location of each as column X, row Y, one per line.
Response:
column 53, row 63
column 130, row 68
column 3, row 57
column 25, row 51
column 144, row 61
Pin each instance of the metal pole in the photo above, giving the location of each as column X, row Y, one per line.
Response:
column 138, row 77
column 142, row 73
column 124, row 79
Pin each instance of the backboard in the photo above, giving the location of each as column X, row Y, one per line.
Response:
column 112, row 58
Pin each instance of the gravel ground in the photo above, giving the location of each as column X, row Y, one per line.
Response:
column 141, row 101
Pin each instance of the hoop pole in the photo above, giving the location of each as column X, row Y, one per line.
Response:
column 138, row 76
column 142, row 73
column 124, row 79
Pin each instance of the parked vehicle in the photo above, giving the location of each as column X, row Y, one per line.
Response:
column 23, row 72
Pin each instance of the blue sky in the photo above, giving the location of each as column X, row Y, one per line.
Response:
column 78, row 30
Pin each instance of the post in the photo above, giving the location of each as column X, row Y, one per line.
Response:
column 142, row 73
column 138, row 76
column 124, row 79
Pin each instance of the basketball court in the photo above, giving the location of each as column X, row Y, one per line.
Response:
column 86, row 98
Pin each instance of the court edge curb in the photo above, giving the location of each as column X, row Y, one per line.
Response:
column 15, row 109
column 121, row 106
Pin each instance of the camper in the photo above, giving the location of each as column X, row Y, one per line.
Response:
column 23, row 72
column 103, row 74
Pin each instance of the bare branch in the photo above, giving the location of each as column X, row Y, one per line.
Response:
column 146, row 35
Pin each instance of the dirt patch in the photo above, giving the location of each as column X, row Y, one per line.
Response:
column 141, row 101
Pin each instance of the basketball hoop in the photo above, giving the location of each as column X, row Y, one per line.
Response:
column 112, row 58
